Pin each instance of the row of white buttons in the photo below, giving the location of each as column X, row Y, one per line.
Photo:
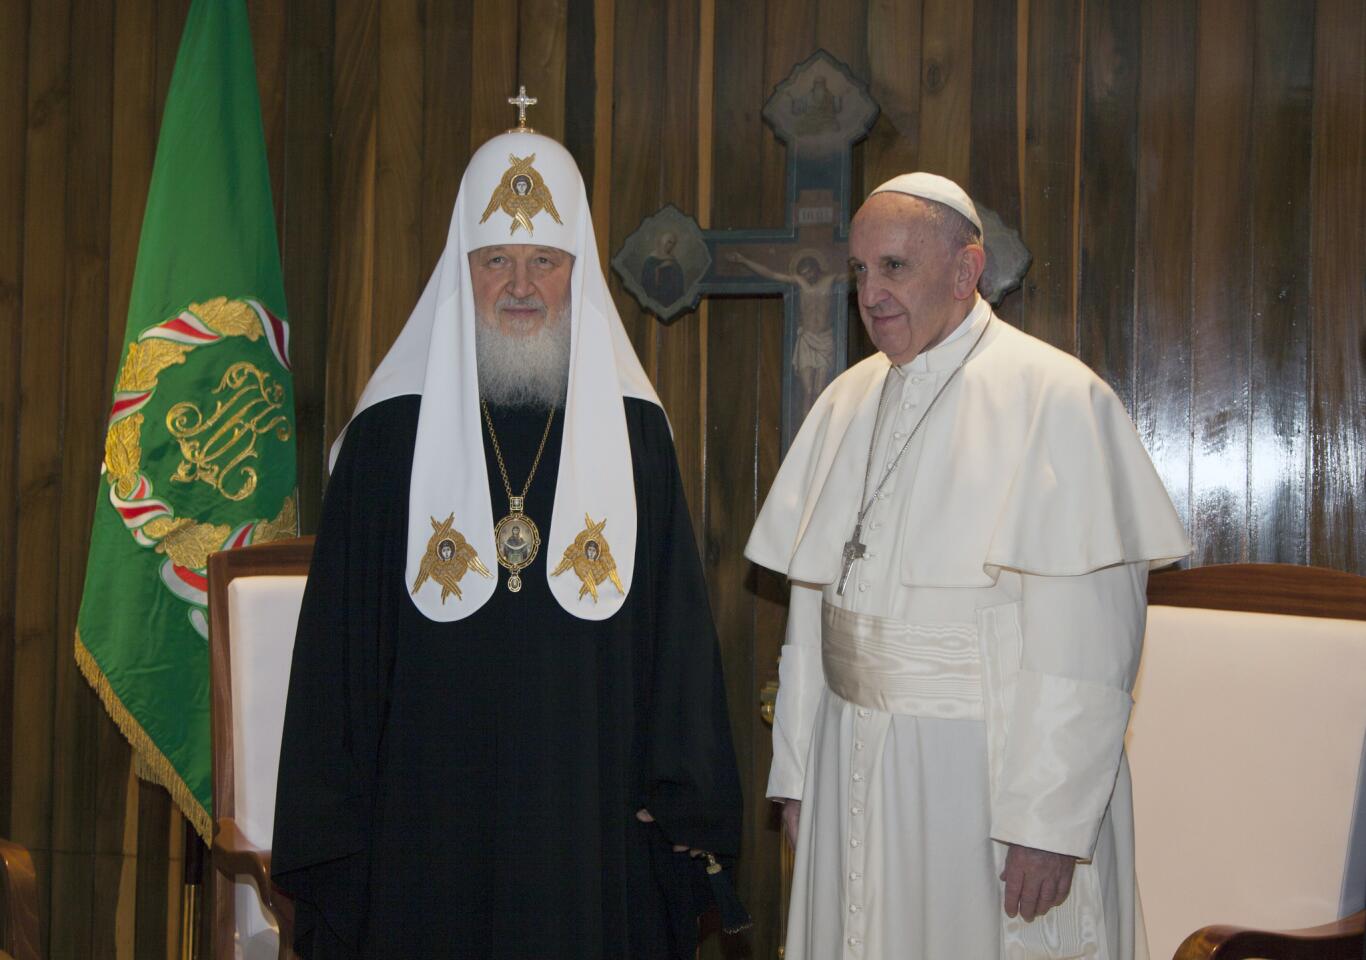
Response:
column 857, row 801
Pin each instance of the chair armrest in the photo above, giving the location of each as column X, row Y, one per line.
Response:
column 1341, row 940
column 20, row 885
column 234, row 856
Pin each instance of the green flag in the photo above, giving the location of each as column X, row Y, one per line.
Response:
column 199, row 454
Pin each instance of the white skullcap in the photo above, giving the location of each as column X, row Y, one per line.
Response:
column 931, row 186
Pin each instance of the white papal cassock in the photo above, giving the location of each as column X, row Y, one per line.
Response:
column 971, row 687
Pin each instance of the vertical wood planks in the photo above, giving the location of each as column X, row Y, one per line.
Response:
column 678, row 346
column 85, row 402
column 355, row 94
column 894, row 44
column 37, row 645
column 13, row 122
column 493, row 77
column 733, row 340
column 1163, row 246
column 1109, row 166
column 306, row 237
column 994, row 155
column 446, row 122
column 1282, row 118
column 946, row 88
column 1219, row 367
column 1337, row 523
column 398, row 173
column 541, row 39
column 1051, row 57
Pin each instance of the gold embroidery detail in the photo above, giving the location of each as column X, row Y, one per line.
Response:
column 522, row 194
column 146, row 360
column 591, row 559
column 232, row 430
column 285, row 524
column 123, row 453
column 231, row 318
column 448, row 558
column 186, row 542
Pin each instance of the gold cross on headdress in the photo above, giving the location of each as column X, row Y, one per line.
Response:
column 521, row 102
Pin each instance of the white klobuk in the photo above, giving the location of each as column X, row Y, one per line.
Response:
column 435, row 357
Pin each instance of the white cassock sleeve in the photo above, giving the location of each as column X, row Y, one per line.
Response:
column 1082, row 637
column 801, row 678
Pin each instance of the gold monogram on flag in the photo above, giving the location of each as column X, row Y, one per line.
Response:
column 522, row 194
column 590, row 558
column 215, row 446
column 448, row 558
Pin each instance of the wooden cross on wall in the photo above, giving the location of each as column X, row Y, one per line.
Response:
column 669, row 263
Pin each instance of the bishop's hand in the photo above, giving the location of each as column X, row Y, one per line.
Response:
column 644, row 816
column 1036, row 881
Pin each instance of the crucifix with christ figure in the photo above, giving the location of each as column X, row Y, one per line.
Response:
column 820, row 111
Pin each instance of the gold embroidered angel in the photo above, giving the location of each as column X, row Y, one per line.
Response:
column 591, row 559
column 522, row 194
column 448, row 558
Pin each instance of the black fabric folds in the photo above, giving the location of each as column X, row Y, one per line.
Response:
column 469, row 789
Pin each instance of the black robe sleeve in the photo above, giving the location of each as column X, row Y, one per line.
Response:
column 335, row 708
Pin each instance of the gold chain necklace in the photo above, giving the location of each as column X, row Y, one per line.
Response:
column 515, row 537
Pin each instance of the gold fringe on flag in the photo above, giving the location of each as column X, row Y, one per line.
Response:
column 149, row 762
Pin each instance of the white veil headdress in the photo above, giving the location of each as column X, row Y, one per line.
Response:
column 434, row 356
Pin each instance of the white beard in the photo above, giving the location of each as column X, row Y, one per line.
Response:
column 530, row 371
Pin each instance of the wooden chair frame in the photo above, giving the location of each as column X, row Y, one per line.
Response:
column 19, row 887
column 233, row 857
column 1277, row 588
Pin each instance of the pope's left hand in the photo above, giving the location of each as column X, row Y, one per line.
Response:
column 643, row 816
column 1036, row 880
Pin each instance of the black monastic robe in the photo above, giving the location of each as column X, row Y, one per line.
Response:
column 469, row 789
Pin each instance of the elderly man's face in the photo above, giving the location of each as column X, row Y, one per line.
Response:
column 519, row 286
column 914, row 286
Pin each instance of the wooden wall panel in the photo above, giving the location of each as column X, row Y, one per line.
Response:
column 1109, row 165
column 994, row 160
column 1337, row 429
column 37, row 645
column 1051, row 57
column 1278, row 375
column 1164, row 279
column 13, row 122
column 946, row 88
column 1189, row 177
column 306, row 236
column 1219, row 363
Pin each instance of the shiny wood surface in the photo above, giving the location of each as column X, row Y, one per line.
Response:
column 1190, row 176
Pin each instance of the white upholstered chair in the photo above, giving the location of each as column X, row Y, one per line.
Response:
column 1246, row 746
column 254, row 598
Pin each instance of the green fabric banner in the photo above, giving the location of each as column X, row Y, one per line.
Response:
column 199, row 454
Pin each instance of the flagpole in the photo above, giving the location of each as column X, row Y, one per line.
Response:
column 192, row 880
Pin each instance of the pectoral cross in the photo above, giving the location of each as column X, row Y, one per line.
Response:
column 853, row 550
column 521, row 102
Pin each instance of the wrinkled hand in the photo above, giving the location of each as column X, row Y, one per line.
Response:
column 1036, row 881
column 643, row 816
column 792, row 812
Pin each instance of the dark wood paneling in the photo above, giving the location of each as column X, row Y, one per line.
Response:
column 1221, row 216
column 1163, row 254
column 994, row 163
column 1109, row 163
column 351, row 304
column 1337, row 429
column 13, row 119
column 85, row 401
column 306, row 236
column 894, row 35
column 541, row 37
column 398, row 174
column 946, row 88
column 1278, row 395
column 1048, row 194
column 37, row 644
column 446, row 122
